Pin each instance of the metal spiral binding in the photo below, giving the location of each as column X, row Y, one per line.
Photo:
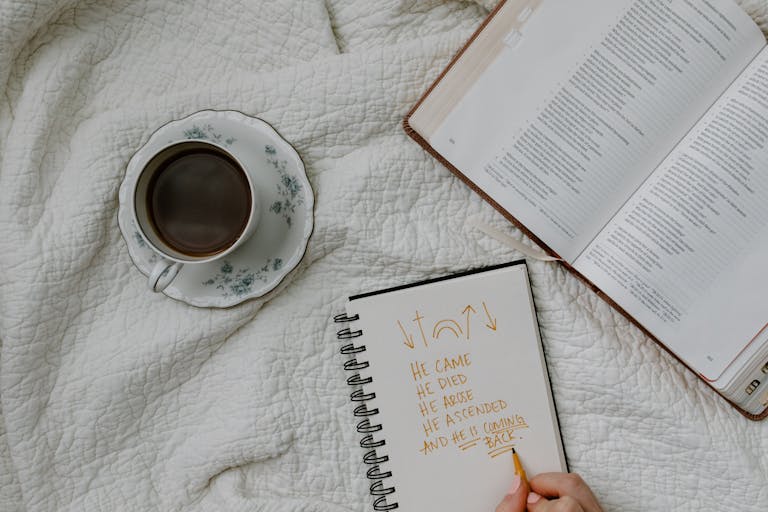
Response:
column 372, row 458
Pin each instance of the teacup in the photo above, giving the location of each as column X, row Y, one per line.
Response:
column 193, row 202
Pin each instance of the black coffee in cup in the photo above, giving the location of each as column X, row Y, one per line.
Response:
column 199, row 201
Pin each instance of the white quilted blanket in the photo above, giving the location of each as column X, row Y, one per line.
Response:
column 117, row 399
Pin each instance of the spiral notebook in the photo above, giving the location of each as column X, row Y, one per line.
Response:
column 448, row 376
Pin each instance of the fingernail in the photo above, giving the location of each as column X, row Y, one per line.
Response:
column 515, row 485
column 533, row 497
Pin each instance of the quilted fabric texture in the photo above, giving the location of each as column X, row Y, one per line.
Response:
column 117, row 399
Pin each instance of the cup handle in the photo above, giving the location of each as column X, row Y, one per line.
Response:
column 162, row 274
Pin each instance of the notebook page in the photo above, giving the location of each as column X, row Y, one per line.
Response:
column 460, row 379
column 586, row 101
column 686, row 255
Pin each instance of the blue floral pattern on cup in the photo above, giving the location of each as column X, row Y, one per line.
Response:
column 152, row 256
column 139, row 239
column 208, row 132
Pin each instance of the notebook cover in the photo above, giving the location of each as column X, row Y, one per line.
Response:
column 424, row 144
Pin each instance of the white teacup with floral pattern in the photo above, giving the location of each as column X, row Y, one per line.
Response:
column 171, row 259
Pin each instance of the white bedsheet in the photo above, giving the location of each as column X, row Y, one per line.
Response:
column 117, row 399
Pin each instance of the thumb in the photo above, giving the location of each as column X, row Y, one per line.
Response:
column 514, row 501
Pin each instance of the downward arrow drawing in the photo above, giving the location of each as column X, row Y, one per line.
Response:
column 408, row 337
column 492, row 324
column 467, row 310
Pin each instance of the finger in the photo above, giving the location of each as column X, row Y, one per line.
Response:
column 514, row 501
column 556, row 485
column 537, row 503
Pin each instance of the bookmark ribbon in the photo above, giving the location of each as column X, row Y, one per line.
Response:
column 507, row 240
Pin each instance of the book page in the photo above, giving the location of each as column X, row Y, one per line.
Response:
column 460, row 379
column 586, row 100
column 687, row 255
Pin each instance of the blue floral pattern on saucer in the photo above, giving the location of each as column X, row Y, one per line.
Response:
column 240, row 282
column 289, row 188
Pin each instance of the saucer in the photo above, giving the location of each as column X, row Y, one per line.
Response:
column 286, row 219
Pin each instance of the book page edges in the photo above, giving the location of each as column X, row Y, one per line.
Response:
column 419, row 131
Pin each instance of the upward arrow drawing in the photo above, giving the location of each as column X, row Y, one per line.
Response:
column 467, row 311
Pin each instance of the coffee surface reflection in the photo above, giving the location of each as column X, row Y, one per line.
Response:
column 199, row 202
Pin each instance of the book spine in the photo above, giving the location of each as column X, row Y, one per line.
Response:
column 366, row 424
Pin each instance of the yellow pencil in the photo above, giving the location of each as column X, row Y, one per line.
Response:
column 519, row 466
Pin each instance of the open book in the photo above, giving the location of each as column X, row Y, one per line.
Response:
column 630, row 139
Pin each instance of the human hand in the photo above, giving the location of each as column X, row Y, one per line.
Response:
column 550, row 492
column 514, row 501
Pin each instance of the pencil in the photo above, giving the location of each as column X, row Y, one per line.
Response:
column 519, row 466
